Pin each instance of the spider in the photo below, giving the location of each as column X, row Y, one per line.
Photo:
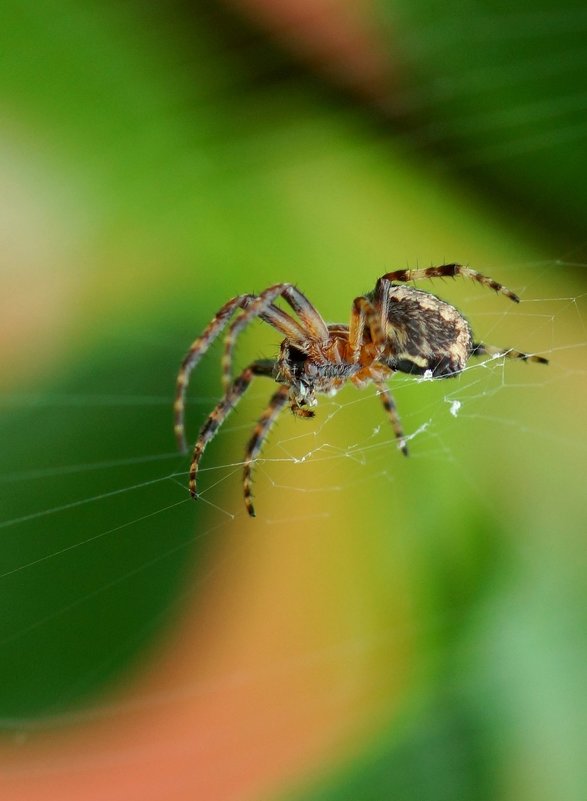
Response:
column 393, row 328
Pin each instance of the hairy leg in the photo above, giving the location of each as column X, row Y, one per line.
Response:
column 364, row 316
column 264, row 424
column 480, row 349
column 272, row 315
column 391, row 409
column 312, row 325
column 307, row 312
column 219, row 414
column 195, row 353
column 252, row 306
column 449, row 271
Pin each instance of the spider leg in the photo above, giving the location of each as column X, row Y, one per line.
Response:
column 450, row 271
column 313, row 326
column 356, row 329
column 195, row 353
column 264, row 424
column 218, row 415
column 364, row 315
column 272, row 315
column 253, row 306
column 263, row 306
column 480, row 349
column 391, row 409
column 307, row 312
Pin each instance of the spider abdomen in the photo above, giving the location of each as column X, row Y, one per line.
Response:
column 425, row 334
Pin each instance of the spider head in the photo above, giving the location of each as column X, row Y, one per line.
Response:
column 295, row 369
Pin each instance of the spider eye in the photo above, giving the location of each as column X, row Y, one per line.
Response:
column 296, row 359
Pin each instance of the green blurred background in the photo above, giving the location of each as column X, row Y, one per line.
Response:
column 158, row 159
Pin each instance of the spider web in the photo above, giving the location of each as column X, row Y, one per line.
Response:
column 427, row 406
column 351, row 432
column 107, row 565
column 129, row 515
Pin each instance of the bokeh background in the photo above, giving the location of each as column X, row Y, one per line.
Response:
column 385, row 629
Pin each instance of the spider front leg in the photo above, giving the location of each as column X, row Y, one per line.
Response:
column 270, row 314
column 221, row 412
column 312, row 324
column 448, row 271
column 193, row 356
column 264, row 424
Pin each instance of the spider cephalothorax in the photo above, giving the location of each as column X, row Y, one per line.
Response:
column 394, row 328
column 319, row 370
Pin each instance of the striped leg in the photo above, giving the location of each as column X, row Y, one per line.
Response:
column 220, row 413
column 264, row 424
column 480, row 349
column 449, row 271
column 313, row 326
column 272, row 315
column 308, row 314
column 364, row 315
column 391, row 409
column 195, row 353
